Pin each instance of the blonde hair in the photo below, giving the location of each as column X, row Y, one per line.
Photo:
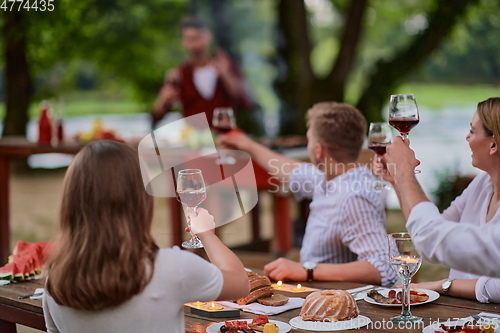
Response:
column 340, row 127
column 105, row 252
column 489, row 113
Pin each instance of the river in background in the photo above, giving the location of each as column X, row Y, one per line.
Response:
column 438, row 140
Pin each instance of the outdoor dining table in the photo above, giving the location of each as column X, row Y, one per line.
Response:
column 13, row 148
column 29, row 312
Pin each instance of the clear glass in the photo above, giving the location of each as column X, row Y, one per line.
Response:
column 223, row 121
column 191, row 192
column 403, row 114
column 405, row 261
column 379, row 137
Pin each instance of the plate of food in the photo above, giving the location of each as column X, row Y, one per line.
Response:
column 461, row 326
column 258, row 324
column 329, row 310
column 392, row 297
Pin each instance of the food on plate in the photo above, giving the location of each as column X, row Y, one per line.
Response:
column 467, row 328
column 260, row 286
column 235, row 326
column 274, row 300
column 329, row 305
column 258, row 322
column 271, row 328
column 396, row 297
column 98, row 132
column 26, row 261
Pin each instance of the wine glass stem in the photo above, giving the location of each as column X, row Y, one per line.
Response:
column 406, row 298
column 404, row 136
column 380, row 176
column 193, row 236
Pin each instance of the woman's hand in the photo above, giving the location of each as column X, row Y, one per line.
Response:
column 431, row 285
column 379, row 167
column 201, row 221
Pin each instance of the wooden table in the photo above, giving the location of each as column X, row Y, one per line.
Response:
column 19, row 148
column 29, row 312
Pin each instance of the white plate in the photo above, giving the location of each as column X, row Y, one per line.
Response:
column 324, row 326
column 435, row 327
column 432, row 297
column 283, row 327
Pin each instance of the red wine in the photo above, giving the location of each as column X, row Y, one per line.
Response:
column 222, row 129
column 378, row 148
column 192, row 198
column 403, row 125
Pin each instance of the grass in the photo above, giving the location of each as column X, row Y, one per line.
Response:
column 437, row 96
column 89, row 103
column 434, row 96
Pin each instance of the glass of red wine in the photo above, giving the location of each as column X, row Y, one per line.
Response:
column 223, row 122
column 191, row 192
column 379, row 137
column 403, row 114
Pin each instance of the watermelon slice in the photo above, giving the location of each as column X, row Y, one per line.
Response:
column 26, row 261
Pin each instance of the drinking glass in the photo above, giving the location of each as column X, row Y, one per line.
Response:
column 379, row 136
column 405, row 261
column 223, row 122
column 403, row 114
column 191, row 192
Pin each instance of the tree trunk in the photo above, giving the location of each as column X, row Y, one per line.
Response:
column 388, row 74
column 294, row 48
column 17, row 74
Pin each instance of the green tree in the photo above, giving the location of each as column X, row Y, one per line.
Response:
column 300, row 87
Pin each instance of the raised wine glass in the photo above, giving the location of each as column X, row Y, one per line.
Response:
column 191, row 192
column 403, row 114
column 405, row 261
column 379, row 136
column 223, row 122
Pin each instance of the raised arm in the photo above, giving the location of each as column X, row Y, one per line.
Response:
column 235, row 277
column 277, row 165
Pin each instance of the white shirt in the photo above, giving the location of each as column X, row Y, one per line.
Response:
column 463, row 246
column 205, row 80
column 346, row 220
column 179, row 277
column 471, row 207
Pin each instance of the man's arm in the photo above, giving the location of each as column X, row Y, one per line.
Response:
column 277, row 165
column 356, row 271
column 230, row 77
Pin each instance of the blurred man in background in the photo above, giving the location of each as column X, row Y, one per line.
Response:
column 206, row 80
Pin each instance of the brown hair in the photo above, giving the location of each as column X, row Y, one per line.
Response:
column 105, row 252
column 193, row 22
column 489, row 113
column 340, row 127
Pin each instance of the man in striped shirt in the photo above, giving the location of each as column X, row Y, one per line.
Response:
column 345, row 237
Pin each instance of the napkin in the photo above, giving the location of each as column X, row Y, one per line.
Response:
column 4, row 282
column 360, row 292
column 257, row 308
column 38, row 291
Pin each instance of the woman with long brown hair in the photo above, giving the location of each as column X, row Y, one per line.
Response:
column 106, row 273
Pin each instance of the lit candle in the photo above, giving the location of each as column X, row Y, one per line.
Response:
column 215, row 307
column 278, row 285
column 298, row 288
column 198, row 304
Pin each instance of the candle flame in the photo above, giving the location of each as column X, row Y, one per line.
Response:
column 279, row 283
column 299, row 286
column 213, row 304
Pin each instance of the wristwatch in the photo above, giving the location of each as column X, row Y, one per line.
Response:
column 310, row 266
column 446, row 285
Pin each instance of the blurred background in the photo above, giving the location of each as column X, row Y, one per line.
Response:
column 107, row 59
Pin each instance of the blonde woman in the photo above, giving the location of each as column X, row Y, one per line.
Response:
column 467, row 243
column 106, row 273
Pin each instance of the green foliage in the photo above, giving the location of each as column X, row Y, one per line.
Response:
column 451, row 185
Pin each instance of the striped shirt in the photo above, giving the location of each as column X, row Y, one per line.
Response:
column 346, row 220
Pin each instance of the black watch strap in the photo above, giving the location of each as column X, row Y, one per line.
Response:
column 310, row 275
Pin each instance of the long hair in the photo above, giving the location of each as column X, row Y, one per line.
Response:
column 489, row 113
column 105, row 251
